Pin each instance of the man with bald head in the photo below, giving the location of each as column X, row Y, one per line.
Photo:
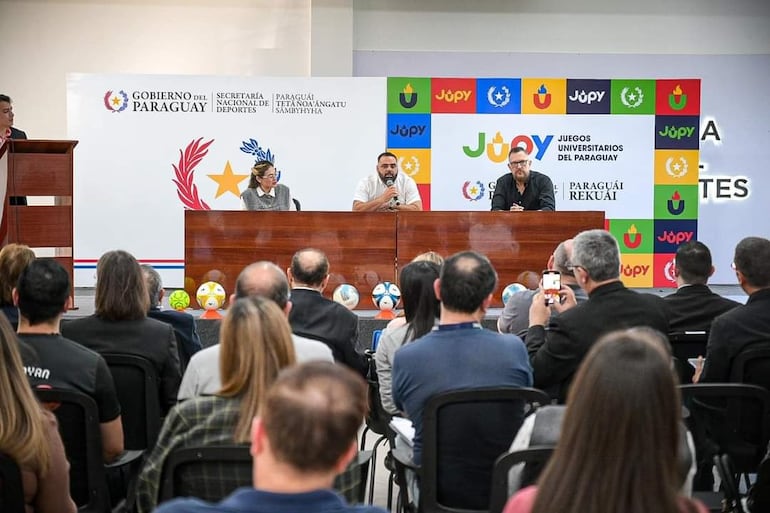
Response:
column 258, row 279
column 515, row 316
column 317, row 317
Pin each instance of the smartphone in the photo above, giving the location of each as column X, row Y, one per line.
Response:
column 551, row 286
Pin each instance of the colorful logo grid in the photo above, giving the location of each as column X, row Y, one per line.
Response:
column 647, row 246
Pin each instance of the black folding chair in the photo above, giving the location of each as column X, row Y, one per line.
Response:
column 500, row 491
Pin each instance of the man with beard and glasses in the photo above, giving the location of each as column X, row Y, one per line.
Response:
column 387, row 189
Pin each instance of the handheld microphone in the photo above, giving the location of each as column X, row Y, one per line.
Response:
column 394, row 202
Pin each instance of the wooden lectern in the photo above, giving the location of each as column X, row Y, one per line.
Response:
column 39, row 168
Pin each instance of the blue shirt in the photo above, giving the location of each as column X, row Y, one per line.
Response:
column 455, row 357
column 249, row 500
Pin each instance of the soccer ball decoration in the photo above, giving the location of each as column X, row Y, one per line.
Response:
column 211, row 297
column 386, row 296
column 179, row 300
column 512, row 289
column 346, row 295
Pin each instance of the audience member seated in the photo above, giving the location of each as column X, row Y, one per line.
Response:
column 317, row 317
column 258, row 279
column 619, row 443
column 42, row 295
column 515, row 315
column 120, row 324
column 303, row 437
column 428, row 256
column 421, row 310
column 693, row 306
column 255, row 342
column 29, row 435
column 187, row 340
column 746, row 325
column 13, row 259
column 460, row 354
column 557, row 352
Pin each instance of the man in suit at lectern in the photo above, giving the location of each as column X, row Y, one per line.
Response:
column 7, row 131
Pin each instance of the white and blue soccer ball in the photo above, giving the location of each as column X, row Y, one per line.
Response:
column 386, row 295
column 346, row 295
column 512, row 289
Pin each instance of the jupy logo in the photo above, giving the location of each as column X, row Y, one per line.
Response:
column 542, row 98
column 497, row 150
column 473, row 191
column 676, row 168
column 117, row 102
column 634, row 271
column 632, row 238
column 675, row 132
column 675, row 205
column 408, row 130
column 675, row 237
column 450, row 96
column 587, row 97
column 677, row 100
column 407, row 98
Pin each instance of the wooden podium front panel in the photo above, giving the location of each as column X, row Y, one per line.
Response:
column 37, row 174
column 361, row 246
column 41, row 226
column 513, row 241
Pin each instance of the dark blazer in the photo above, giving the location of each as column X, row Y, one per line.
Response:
column 732, row 332
column 17, row 134
column 557, row 352
column 17, row 200
column 314, row 316
column 146, row 337
column 694, row 307
column 187, row 339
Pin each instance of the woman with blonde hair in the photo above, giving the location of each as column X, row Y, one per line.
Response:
column 256, row 343
column 120, row 324
column 264, row 192
column 13, row 259
column 619, row 443
column 29, row 435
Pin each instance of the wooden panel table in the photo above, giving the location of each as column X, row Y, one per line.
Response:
column 514, row 242
column 361, row 246
column 365, row 248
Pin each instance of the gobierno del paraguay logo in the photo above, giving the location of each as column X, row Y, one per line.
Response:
column 473, row 190
column 117, row 102
column 227, row 181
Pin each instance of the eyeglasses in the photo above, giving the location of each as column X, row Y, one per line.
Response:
column 519, row 163
column 271, row 177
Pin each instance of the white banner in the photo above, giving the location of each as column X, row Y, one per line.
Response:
column 151, row 146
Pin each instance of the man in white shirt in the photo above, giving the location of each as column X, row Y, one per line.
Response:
column 387, row 189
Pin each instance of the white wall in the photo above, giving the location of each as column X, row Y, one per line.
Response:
column 565, row 26
column 43, row 40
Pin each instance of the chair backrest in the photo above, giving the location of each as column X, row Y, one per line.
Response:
column 464, row 432
column 686, row 345
column 297, row 204
column 729, row 418
column 11, row 491
column 377, row 419
column 136, row 383
column 500, row 492
column 78, row 420
column 752, row 365
column 213, row 472
column 209, row 473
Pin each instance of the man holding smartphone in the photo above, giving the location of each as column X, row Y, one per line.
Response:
column 522, row 188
